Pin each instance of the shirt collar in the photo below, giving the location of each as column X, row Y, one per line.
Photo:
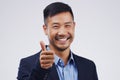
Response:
column 57, row 59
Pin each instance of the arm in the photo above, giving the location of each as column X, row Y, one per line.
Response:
column 95, row 77
column 36, row 68
column 28, row 72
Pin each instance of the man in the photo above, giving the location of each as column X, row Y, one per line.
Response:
column 56, row 61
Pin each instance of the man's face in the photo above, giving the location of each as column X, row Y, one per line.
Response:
column 60, row 30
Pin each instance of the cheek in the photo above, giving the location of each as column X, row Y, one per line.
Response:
column 51, row 34
column 71, row 32
column 48, row 31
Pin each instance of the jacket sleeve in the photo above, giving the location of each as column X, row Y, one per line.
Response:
column 31, row 72
column 95, row 76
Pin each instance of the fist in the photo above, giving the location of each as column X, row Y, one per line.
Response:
column 46, row 57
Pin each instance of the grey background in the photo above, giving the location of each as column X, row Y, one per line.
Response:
column 97, row 34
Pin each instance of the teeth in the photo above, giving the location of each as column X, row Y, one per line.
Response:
column 63, row 39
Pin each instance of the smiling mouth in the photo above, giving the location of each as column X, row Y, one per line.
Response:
column 62, row 39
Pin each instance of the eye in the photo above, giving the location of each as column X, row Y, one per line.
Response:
column 55, row 27
column 67, row 26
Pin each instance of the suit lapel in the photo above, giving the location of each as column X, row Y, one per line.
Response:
column 79, row 66
column 53, row 74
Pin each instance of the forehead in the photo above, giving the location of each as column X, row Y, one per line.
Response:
column 64, row 17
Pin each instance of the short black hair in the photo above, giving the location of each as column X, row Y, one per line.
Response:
column 55, row 8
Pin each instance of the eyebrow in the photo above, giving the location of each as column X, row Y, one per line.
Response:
column 64, row 23
column 68, row 22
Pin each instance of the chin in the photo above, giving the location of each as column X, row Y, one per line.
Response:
column 62, row 47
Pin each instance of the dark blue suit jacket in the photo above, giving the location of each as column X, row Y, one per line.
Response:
column 30, row 69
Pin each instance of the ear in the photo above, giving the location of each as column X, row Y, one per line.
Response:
column 45, row 29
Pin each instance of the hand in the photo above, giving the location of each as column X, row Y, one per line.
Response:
column 46, row 57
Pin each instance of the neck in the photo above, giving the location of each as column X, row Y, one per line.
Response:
column 62, row 54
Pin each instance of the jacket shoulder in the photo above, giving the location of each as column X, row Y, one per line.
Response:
column 29, row 62
column 31, row 57
column 83, row 61
column 87, row 67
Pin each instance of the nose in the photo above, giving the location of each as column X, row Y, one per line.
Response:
column 62, row 31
